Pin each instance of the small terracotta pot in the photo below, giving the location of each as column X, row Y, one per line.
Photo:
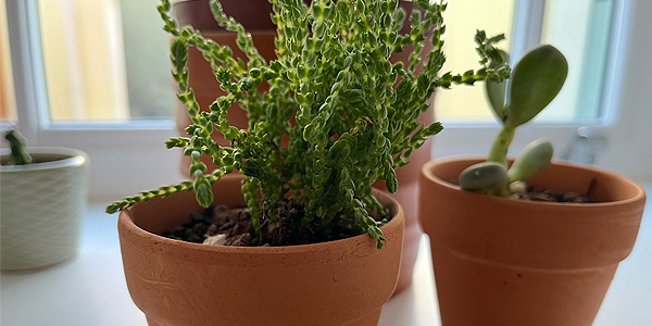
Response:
column 254, row 15
column 499, row 261
column 176, row 283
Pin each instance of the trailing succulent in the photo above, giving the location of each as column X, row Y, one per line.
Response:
column 348, row 114
column 536, row 80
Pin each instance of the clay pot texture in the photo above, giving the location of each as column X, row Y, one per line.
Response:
column 176, row 283
column 42, row 206
column 254, row 15
column 499, row 261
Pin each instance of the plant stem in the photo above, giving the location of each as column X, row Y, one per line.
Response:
column 500, row 146
column 498, row 154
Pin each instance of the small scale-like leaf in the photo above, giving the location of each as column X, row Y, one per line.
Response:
column 252, row 169
column 204, row 194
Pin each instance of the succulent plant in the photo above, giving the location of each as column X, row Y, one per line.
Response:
column 349, row 116
column 536, row 80
column 19, row 154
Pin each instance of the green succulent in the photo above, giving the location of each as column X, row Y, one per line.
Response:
column 536, row 80
column 19, row 154
column 351, row 116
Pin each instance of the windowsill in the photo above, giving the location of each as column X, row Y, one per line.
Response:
column 90, row 289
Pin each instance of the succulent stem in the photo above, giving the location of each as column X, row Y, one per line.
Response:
column 500, row 146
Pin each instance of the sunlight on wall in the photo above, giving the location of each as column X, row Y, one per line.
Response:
column 84, row 59
column 463, row 17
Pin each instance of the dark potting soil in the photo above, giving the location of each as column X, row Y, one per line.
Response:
column 233, row 227
column 523, row 191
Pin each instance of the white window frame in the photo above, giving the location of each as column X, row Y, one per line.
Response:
column 129, row 157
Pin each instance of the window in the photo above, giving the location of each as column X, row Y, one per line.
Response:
column 126, row 156
column 468, row 104
column 580, row 29
column 84, row 60
column 122, row 118
column 7, row 101
column 105, row 60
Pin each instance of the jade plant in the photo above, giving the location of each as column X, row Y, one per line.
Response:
column 19, row 154
column 536, row 80
column 337, row 115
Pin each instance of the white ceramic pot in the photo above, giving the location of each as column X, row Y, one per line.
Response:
column 42, row 207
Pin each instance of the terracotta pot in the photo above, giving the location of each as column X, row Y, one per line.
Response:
column 254, row 15
column 344, row 282
column 42, row 206
column 509, row 262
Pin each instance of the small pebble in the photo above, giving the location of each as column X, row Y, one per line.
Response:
column 216, row 240
column 518, row 186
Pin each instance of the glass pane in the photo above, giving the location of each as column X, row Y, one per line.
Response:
column 468, row 104
column 151, row 88
column 7, row 99
column 105, row 60
column 581, row 30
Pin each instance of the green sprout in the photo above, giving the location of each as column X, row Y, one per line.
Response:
column 19, row 154
column 349, row 113
column 536, row 80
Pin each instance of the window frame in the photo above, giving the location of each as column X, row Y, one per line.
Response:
column 134, row 150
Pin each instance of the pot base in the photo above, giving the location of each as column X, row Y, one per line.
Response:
column 369, row 320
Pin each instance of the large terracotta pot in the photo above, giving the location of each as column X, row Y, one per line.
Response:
column 254, row 15
column 176, row 283
column 499, row 261
column 42, row 207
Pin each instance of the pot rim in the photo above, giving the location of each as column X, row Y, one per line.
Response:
column 72, row 158
column 393, row 205
column 426, row 171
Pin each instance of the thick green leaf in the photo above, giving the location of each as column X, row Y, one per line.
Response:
column 536, row 80
column 496, row 89
column 483, row 176
column 532, row 160
column 496, row 95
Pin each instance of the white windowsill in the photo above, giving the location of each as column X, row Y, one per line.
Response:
column 90, row 289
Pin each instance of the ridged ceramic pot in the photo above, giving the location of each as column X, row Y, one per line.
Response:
column 42, row 207
column 254, row 15
column 500, row 261
column 177, row 283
